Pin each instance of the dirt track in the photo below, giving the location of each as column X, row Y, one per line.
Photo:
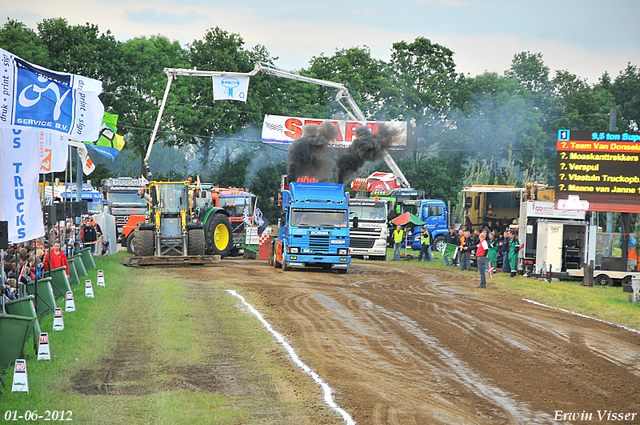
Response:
column 403, row 344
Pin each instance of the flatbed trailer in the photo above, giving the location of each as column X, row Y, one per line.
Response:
column 169, row 260
column 607, row 277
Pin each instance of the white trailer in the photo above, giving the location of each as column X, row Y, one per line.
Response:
column 553, row 240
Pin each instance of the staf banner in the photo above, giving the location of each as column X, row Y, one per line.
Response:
column 284, row 130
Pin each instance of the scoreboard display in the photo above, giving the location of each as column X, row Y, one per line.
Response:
column 602, row 168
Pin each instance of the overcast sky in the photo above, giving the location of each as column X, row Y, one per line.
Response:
column 585, row 37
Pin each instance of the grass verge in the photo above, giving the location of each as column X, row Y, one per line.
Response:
column 154, row 348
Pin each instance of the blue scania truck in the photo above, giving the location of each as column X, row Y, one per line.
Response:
column 313, row 229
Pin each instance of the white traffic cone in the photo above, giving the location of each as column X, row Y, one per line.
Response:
column 58, row 322
column 44, row 351
column 20, row 380
column 70, row 304
column 101, row 278
column 88, row 289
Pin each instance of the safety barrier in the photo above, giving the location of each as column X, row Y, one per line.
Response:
column 59, row 281
column 80, row 268
column 13, row 335
column 74, row 279
column 45, row 300
column 87, row 258
column 24, row 307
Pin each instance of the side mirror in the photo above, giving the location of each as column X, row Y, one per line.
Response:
column 355, row 222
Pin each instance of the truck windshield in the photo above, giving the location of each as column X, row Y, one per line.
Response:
column 126, row 198
column 368, row 212
column 235, row 205
column 318, row 218
column 172, row 197
column 413, row 209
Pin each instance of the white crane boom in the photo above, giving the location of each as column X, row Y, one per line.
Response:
column 270, row 70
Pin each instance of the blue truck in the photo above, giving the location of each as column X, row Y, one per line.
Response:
column 313, row 229
column 434, row 214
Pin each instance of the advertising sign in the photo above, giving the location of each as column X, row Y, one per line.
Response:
column 279, row 129
column 602, row 168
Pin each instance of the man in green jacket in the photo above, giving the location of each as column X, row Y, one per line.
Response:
column 514, row 247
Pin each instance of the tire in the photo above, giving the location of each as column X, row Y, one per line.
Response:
column 379, row 258
column 626, row 281
column 603, row 280
column 195, row 244
column 275, row 261
column 145, row 243
column 130, row 243
column 219, row 235
column 439, row 243
column 343, row 271
column 285, row 267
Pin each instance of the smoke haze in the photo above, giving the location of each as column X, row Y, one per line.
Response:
column 309, row 156
column 367, row 147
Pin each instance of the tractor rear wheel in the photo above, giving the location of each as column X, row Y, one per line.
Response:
column 195, row 245
column 220, row 235
column 145, row 243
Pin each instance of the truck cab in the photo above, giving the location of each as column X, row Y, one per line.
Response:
column 369, row 236
column 434, row 214
column 123, row 197
column 313, row 229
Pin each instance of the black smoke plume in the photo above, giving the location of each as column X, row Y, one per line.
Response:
column 367, row 147
column 309, row 156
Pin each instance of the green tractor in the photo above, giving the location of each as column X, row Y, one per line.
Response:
column 173, row 228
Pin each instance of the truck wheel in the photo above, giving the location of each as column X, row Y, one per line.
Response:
column 603, row 280
column 145, row 243
column 285, row 267
column 220, row 235
column 195, row 245
column 131, row 247
column 379, row 258
column 342, row 271
column 439, row 243
column 275, row 261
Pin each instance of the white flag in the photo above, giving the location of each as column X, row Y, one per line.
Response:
column 230, row 88
column 87, row 164
column 19, row 199
column 53, row 151
column 245, row 216
column 257, row 217
column 41, row 99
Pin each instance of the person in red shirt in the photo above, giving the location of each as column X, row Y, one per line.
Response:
column 56, row 258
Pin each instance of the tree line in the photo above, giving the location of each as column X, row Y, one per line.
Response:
column 489, row 129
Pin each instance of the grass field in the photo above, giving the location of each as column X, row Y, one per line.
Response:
column 149, row 337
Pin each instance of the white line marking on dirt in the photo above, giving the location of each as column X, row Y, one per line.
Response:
column 328, row 397
column 626, row 328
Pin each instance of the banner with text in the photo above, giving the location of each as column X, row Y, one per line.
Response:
column 52, row 149
column 230, row 88
column 41, row 99
column 19, row 200
column 279, row 129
